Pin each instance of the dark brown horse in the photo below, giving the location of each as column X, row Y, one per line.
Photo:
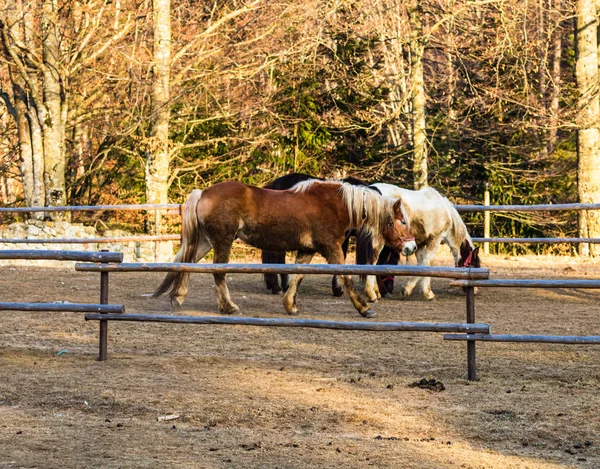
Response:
column 311, row 218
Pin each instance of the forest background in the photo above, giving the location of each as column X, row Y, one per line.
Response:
column 123, row 101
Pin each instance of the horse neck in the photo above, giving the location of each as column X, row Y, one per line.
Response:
column 366, row 208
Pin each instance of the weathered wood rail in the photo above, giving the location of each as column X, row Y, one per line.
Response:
column 309, row 269
column 472, row 338
column 309, row 323
column 77, row 256
column 63, row 307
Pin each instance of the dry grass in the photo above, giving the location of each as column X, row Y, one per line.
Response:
column 297, row 398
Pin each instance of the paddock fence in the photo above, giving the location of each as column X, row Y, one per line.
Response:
column 467, row 278
column 179, row 209
column 105, row 262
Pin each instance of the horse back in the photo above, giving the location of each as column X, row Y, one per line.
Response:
column 285, row 220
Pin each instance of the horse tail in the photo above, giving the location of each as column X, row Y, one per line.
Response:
column 364, row 248
column 193, row 234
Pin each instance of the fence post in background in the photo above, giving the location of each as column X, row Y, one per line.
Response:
column 103, row 335
column 157, row 230
column 471, row 362
column 486, row 220
column 182, row 213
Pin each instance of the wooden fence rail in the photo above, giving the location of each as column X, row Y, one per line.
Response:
column 63, row 307
column 310, row 323
column 77, row 256
column 331, row 269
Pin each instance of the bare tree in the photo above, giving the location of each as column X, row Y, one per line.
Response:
column 588, row 133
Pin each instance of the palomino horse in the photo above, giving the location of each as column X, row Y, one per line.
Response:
column 271, row 257
column 311, row 218
column 433, row 219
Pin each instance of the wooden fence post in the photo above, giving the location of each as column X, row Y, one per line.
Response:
column 471, row 361
column 182, row 213
column 103, row 335
column 486, row 220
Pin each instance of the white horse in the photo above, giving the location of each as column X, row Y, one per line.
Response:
column 433, row 219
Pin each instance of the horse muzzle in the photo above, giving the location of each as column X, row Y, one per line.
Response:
column 409, row 247
column 406, row 246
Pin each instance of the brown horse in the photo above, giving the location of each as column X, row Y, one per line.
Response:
column 310, row 218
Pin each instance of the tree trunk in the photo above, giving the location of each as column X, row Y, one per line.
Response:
column 53, row 124
column 588, row 135
column 555, row 87
column 418, row 96
column 158, row 157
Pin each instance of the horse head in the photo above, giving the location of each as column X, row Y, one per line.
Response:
column 469, row 257
column 397, row 232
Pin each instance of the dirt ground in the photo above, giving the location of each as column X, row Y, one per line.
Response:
column 250, row 397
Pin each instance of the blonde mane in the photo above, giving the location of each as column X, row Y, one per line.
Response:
column 366, row 208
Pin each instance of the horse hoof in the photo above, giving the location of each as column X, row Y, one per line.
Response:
column 387, row 295
column 369, row 313
column 176, row 305
column 275, row 290
column 294, row 311
column 337, row 291
column 230, row 310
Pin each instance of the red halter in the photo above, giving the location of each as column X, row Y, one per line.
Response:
column 468, row 260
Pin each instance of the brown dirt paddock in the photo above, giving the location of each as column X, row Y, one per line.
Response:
column 250, row 397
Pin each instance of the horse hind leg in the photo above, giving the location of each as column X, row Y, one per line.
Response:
column 181, row 287
column 289, row 299
column 271, row 281
column 226, row 306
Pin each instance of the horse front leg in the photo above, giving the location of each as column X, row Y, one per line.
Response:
column 226, row 306
column 336, row 256
column 289, row 299
column 408, row 288
column 336, row 286
column 371, row 287
column 427, row 257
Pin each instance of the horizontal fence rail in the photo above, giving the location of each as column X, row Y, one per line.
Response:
column 537, row 240
column 121, row 239
column 177, row 209
column 310, row 323
column 63, row 307
column 91, row 208
column 77, row 256
column 331, row 269
column 528, row 283
column 545, row 339
column 526, row 208
column 460, row 208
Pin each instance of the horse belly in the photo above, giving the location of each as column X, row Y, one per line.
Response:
column 276, row 239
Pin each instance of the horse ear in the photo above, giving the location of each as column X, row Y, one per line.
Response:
column 475, row 258
column 398, row 209
column 465, row 249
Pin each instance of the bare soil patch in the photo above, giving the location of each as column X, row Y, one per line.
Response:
column 251, row 397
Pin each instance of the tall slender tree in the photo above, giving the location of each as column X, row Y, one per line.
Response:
column 588, row 121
